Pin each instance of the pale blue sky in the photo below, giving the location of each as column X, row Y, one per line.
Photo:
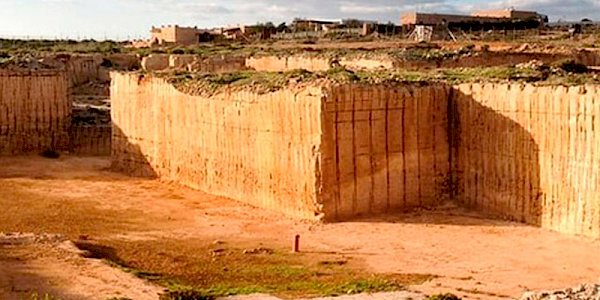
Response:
column 120, row 19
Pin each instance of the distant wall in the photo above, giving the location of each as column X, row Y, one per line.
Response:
column 155, row 62
column 267, row 64
column 34, row 111
column 124, row 61
column 222, row 64
column 481, row 60
column 308, row 63
column 181, row 61
column 530, row 153
column 588, row 58
column 218, row 64
column 214, row 64
column 90, row 140
column 84, row 68
column 385, row 149
column 383, row 62
column 314, row 64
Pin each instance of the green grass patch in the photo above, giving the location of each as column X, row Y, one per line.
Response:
column 197, row 270
column 265, row 82
column 293, row 288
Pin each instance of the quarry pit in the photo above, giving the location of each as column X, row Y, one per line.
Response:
column 430, row 180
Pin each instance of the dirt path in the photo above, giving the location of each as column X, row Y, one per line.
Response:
column 42, row 265
column 78, row 197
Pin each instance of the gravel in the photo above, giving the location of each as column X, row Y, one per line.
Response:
column 582, row 292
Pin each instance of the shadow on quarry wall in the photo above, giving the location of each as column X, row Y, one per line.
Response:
column 127, row 157
column 90, row 140
column 495, row 161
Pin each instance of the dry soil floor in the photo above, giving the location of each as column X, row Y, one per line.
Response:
column 80, row 198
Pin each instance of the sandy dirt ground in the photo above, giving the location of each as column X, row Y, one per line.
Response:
column 35, row 265
column 474, row 257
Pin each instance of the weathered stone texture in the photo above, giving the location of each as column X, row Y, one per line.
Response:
column 259, row 149
column 267, row 64
column 528, row 153
column 90, row 140
column 181, row 61
column 155, row 62
column 283, row 151
column 34, row 111
column 218, row 64
column 314, row 64
column 367, row 63
column 531, row 153
column 385, row 148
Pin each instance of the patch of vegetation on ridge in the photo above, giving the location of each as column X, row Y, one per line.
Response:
column 266, row 82
column 258, row 82
column 17, row 47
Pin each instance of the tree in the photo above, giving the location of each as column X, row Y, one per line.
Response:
column 282, row 27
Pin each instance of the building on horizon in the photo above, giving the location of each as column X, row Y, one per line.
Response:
column 178, row 35
column 478, row 17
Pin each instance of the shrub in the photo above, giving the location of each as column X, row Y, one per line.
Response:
column 178, row 51
column 572, row 66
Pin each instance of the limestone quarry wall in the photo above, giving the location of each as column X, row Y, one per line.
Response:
column 524, row 152
column 90, row 140
column 34, row 111
column 267, row 63
column 382, row 63
column 219, row 64
column 155, row 62
column 222, row 64
column 259, row 149
column 588, row 58
column 314, row 152
column 314, row 64
column 83, row 69
column 194, row 63
column 530, row 153
column 181, row 61
column 385, row 149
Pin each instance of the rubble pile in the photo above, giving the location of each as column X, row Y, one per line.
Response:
column 582, row 292
column 533, row 65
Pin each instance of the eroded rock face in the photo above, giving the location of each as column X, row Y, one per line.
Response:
column 582, row 292
column 35, row 111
